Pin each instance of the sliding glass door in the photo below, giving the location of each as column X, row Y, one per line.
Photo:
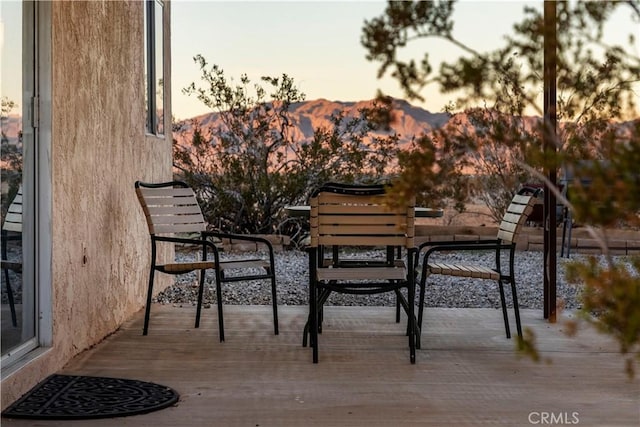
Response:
column 19, row 126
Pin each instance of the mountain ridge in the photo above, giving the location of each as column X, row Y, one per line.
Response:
column 306, row 116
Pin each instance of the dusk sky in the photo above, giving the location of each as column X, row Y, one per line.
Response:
column 317, row 43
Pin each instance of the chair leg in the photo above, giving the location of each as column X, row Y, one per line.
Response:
column 411, row 296
column 147, row 309
column 398, row 294
column 200, row 297
column 321, row 298
column 219, row 298
column 306, row 331
column 566, row 235
column 274, row 302
column 504, row 308
column 416, row 328
column 12, row 307
column 390, row 260
column 412, row 335
column 570, row 225
column 516, row 307
column 313, row 304
column 313, row 315
column 423, row 284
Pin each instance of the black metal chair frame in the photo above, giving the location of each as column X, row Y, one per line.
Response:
column 374, row 188
column 9, row 265
column 11, row 231
column 320, row 290
column 498, row 245
column 207, row 246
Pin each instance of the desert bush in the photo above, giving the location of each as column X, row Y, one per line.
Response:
column 249, row 167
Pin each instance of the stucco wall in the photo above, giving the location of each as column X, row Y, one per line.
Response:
column 100, row 253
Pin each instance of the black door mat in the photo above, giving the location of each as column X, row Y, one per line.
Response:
column 70, row 397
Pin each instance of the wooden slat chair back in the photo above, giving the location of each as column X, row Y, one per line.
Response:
column 359, row 220
column 173, row 215
column 13, row 219
column 357, row 217
column 515, row 217
column 12, row 230
column 171, row 210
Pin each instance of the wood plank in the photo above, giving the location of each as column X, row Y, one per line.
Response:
column 363, row 229
column 512, row 217
column 178, row 219
column 178, row 228
column 466, row 374
column 359, row 219
column 17, row 200
column 521, row 199
column 509, row 227
column 175, row 210
column 506, row 236
column 167, row 192
column 335, row 198
column 517, row 209
column 13, row 217
column 361, row 240
column 188, row 266
column 356, row 209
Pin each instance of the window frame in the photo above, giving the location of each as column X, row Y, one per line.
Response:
column 154, row 36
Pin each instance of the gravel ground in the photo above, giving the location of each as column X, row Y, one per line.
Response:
column 442, row 291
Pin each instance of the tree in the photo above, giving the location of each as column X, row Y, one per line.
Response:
column 247, row 169
column 596, row 107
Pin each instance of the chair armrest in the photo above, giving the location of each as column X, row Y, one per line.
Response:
column 186, row 241
column 467, row 246
column 453, row 243
column 493, row 245
column 244, row 237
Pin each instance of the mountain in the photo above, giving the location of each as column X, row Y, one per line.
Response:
column 409, row 120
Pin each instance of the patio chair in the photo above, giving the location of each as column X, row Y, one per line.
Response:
column 356, row 217
column 171, row 209
column 375, row 188
column 11, row 230
column 578, row 175
column 536, row 217
column 520, row 207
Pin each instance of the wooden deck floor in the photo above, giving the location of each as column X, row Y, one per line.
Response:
column 466, row 374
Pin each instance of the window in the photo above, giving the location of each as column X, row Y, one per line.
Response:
column 154, row 61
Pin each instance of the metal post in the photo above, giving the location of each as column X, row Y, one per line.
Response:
column 549, row 146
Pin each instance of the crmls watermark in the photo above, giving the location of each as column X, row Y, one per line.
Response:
column 553, row 418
